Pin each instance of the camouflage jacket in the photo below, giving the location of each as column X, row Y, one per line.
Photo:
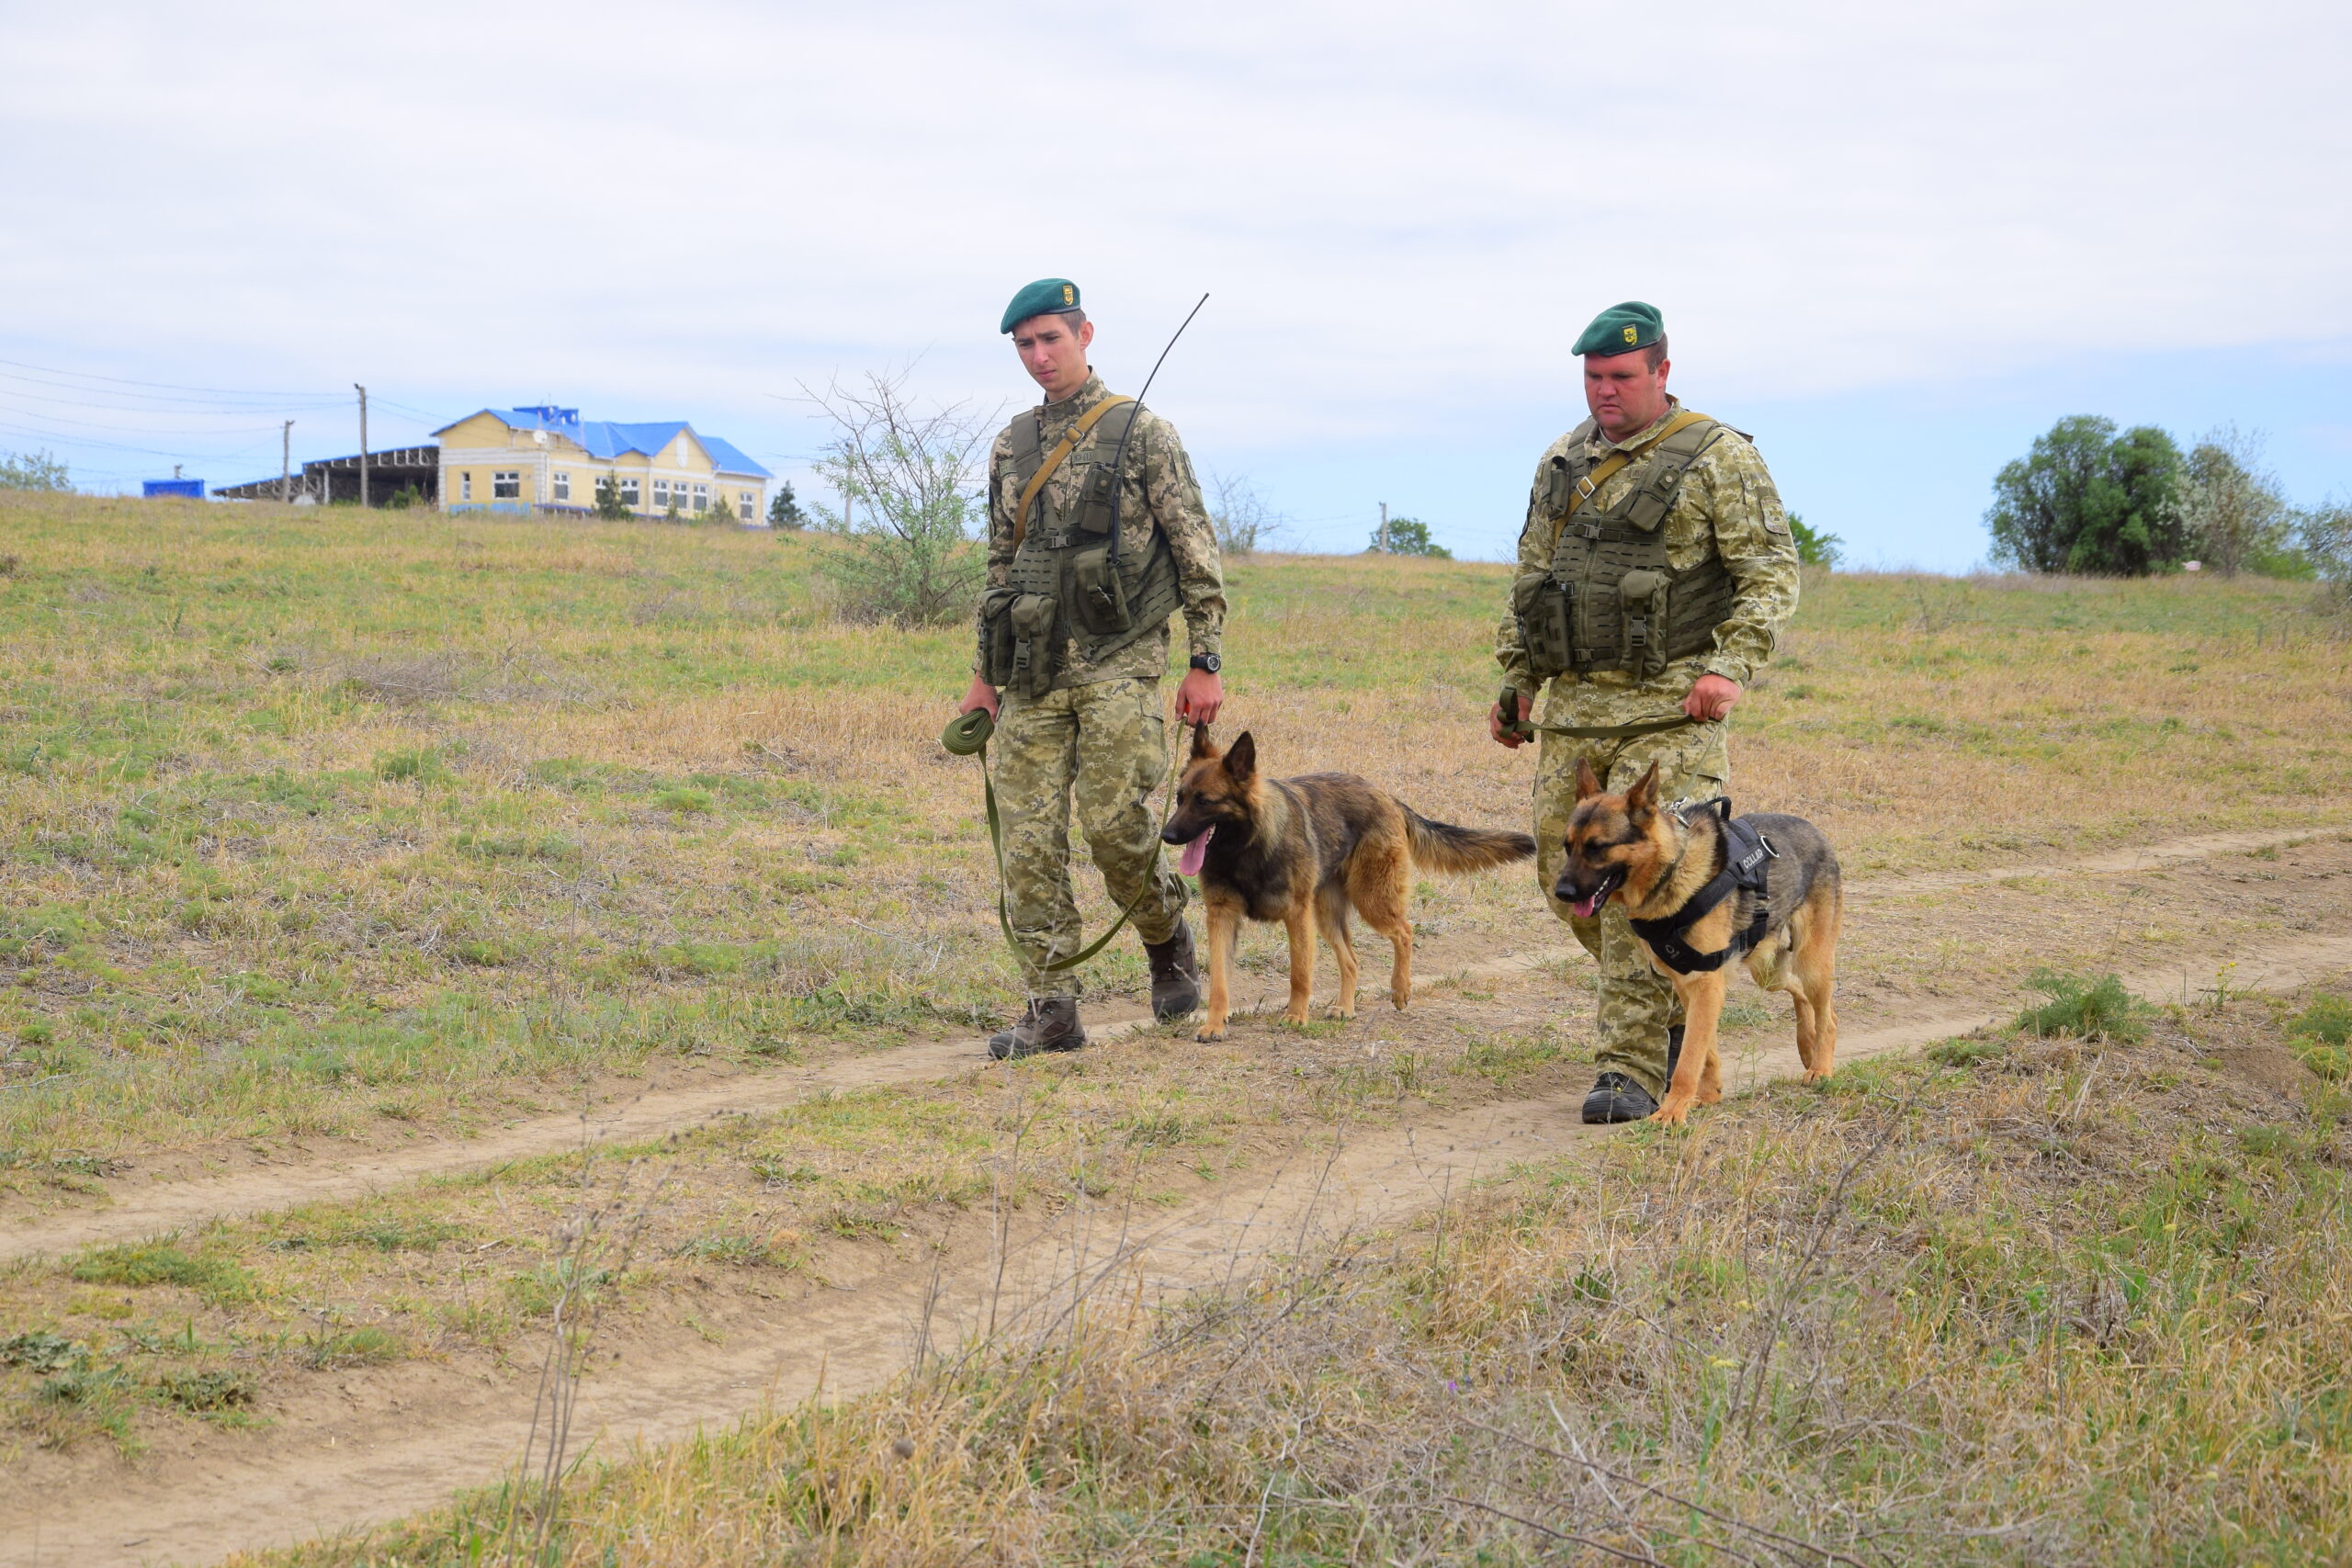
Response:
column 1728, row 508
column 1160, row 490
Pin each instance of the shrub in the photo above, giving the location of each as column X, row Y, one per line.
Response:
column 33, row 471
column 2091, row 1010
column 1815, row 547
column 909, row 506
column 1408, row 537
column 2086, row 499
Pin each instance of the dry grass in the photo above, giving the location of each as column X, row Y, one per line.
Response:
column 2038, row 1301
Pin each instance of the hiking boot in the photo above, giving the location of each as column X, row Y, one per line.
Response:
column 1048, row 1025
column 1616, row 1098
column 1175, row 975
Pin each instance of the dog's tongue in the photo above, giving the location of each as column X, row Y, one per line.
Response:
column 1585, row 906
column 1189, row 862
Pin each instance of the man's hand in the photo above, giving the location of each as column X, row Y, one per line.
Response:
column 1509, row 738
column 982, row 695
column 1199, row 697
column 1711, row 697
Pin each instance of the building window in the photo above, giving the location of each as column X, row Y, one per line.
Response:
column 661, row 495
column 466, row 485
column 630, row 493
column 506, row 484
column 702, row 498
column 745, row 506
column 563, row 487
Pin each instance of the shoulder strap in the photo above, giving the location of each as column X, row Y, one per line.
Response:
column 1062, row 449
column 1613, row 463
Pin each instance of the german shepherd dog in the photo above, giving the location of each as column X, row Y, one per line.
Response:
column 1662, row 861
column 1309, row 848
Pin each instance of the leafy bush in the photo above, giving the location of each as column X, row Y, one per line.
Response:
column 33, row 471
column 2328, row 1022
column 2088, row 500
column 784, row 510
column 2091, row 1010
column 2236, row 516
column 208, row 1391
column 1408, row 536
column 1815, row 547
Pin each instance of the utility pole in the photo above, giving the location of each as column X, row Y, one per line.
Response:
column 1384, row 527
column 286, row 464
column 363, row 442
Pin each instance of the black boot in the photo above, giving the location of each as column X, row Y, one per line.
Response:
column 1175, row 975
column 1048, row 1025
column 1616, row 1098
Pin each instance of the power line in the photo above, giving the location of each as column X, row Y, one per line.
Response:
column 167, row 386
column 117, row 428
column 151, row 405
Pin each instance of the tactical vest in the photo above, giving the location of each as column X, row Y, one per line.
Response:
column 1070, row 580
column 1611, row 601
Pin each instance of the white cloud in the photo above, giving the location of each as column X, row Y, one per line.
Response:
column 1405, row 213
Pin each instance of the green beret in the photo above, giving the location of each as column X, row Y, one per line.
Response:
column 1621, row 328
column 1046, row 297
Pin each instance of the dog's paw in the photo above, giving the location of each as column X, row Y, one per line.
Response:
column 1336, row 1011
column 1209, row 1031
column 1815, row 1075
column 1295, row 1015
column 1675, row 1112
column 1709, row 1093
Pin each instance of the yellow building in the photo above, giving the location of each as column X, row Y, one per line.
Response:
column 550, row 460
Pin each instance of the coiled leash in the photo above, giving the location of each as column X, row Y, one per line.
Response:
column 1526, row 729
column 967, row 736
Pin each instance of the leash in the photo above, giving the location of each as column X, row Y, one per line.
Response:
column 1526, row 729
column 966, row 735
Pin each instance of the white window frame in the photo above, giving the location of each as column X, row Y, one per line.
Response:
column 632, row 492
column 506, row 484
column 466, row 485
column 747, row 506
column 702, row 498
column 661, row 495
column 562, row 485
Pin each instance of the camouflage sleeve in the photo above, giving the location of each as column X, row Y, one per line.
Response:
column 1177, row 507
column 1752, row 537
column 1002, row 495
column 1534, row 559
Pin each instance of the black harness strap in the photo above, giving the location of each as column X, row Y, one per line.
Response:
column 1746, row 854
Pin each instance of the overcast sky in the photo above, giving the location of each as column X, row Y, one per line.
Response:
column 1893, row 242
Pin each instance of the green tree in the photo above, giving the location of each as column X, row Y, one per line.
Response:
column 1410, row 536
column 784, row 512
column 33, row 471
column 1817, row 546
column 2088, row 500
column 609, row 504
column 2235, row 512
column 2325, row 532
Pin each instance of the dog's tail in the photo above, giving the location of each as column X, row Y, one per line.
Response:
column 1441, row 846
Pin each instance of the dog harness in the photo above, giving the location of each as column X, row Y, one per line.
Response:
column 1747, row 853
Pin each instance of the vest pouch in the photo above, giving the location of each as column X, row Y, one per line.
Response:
column 1540, row 606
column 1094, row 492
column 995, row 635
column 1098, row 598
column 1036, row 653
column 1642, row 614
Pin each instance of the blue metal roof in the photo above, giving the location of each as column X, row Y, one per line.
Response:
column 609, row 438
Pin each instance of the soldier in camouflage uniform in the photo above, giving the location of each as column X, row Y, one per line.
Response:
column 1090, row 550
column 1656, row 570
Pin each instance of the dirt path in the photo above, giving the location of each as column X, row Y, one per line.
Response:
column 405, row 1436
column 135, row 1212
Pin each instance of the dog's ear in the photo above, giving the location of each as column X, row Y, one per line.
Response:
column 1241, row 761
column 1641, row 801
column 1588, row 782
column 1203, row 749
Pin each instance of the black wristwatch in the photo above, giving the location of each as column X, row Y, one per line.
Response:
column 1208, row 661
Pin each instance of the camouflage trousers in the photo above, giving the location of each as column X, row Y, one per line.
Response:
column 1107, row 744
column 1637, row 1003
